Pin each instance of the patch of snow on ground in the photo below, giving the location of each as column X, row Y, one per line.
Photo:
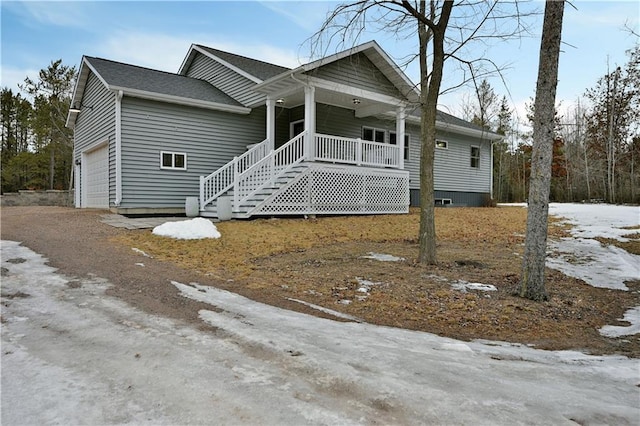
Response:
column 383, row 257
column 137, row 250
column 587, row 259
column 321, row 309
column 365, row 287
column 194, row 229
column 598, row 220
column 632, row 316
column 599, row 265
column 161, row 371
column 596, row 264
column 464, row 286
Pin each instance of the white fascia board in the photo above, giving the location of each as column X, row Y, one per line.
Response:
column 337, row 56
column 228, row 65
column 187, row 59
column 353, row 91
column 134, row 93
column 313, row 65
column 461, row 130
column 262, row 86
column 81, row 84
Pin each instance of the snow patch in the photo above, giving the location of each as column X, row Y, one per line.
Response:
column 383, row 257
column 326, row 310
column 137, row 250
column 194, row 229
column 587, row 259
column 632, row 316
column 465, row 285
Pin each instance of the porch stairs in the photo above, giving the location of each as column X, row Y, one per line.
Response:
column 321, row 175
column 250, row 205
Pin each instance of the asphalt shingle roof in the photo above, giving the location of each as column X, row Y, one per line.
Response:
column 161, row 82
column 260, row 69
column 446, row 118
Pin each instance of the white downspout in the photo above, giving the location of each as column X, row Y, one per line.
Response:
column 118, row 148
column 491, row 168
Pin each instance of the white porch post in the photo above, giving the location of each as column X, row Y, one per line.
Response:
column 310, row 121
column 271, row 125
column 400, row 119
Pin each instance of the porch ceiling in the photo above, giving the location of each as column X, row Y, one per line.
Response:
column 364, row 104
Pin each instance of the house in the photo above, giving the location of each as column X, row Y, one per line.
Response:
column 231, row 136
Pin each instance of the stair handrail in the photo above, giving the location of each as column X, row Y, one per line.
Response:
column 221, row 180
column 267, row 170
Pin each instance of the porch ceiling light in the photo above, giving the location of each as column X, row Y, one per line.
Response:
column 356, row 101
column 280, row 101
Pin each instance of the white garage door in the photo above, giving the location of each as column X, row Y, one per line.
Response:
column 96, row 178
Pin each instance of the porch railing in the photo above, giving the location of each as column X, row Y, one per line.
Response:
column 360, row 152
column 267, row 170
column 259, row 166
column 220, row 181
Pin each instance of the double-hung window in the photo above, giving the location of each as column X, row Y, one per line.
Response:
column 372, row 134
column 173, row 160
column 393, row 141
column 475, row 157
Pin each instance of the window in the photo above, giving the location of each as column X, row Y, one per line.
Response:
column 442, row 144
column 173, row 160
column 372, row 134
column 475, row 157
column 392, row 141
column 442, row 201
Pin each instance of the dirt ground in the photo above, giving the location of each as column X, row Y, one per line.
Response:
column 323, row 262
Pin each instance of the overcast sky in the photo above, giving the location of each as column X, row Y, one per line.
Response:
column 157, row 34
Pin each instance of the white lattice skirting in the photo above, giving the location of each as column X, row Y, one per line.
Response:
column 326, row 189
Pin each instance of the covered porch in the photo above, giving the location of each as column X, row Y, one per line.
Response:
column 358, row 147
column 334, row 143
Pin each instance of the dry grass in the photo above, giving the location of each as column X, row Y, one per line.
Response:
column 320, row 260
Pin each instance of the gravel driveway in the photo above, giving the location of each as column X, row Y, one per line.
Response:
column 104, row 339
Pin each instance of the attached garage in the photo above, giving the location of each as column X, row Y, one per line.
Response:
column 95, row 178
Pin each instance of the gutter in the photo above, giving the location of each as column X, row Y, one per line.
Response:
column 135, row 93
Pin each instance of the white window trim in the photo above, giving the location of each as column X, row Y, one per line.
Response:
column 446, row 144
column 442, row 201
column 173, row 160
column 407, row 143
column 375, row 129
column 472, row 157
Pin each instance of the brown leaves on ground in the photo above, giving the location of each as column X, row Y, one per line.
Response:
column 323, row 261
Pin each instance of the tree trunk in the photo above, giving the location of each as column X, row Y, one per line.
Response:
column 532, row 282
column 429, row 92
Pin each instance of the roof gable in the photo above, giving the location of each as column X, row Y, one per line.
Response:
column 152, row 84
column 376, row 56
column 124, row 76
column 250, row 68
column 359, row 71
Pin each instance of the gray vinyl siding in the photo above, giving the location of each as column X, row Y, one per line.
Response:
column 357, row 71
column 453, row 171
column 96, row 124
column 233, row 84
column 208, row 138
column 458, row 199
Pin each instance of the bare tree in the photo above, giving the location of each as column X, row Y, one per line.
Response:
column 446, row 30
column 532, row 282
